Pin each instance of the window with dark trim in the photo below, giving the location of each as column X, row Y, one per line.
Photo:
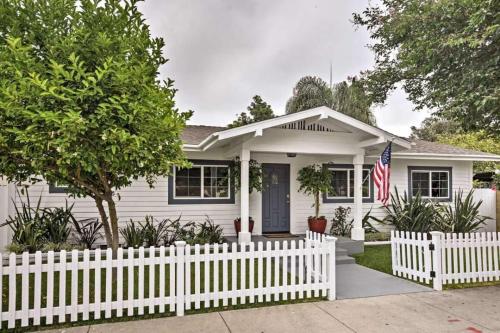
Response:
column 342, row 189
column 57, row 188
column 432, row 182
column 205, row 182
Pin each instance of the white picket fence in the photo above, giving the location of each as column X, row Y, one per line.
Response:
column 80, row 285
column 446, row 258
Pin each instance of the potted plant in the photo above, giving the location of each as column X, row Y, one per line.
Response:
column 254, row 183
column 237, row 225
column 314, row 180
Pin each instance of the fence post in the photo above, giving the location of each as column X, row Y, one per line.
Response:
column 437, row 281
column 180, row 292
column 330, row 267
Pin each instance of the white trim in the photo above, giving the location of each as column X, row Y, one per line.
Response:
column 322, row 112
column 430, row 171
column 202, row 183
column 454, row 157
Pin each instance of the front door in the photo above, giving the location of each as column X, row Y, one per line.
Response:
column 276, row 198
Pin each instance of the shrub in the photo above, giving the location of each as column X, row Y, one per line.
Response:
column 410, row 213
column 209, row 232
column 57, row 224
column 340, row 225
column 87, row 232
column 175, row 231
column 153, row 234
column 462, row 216
column 132, row 235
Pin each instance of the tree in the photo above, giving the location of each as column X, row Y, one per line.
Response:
column 80, row 102
column 432, row 127
column 347, row 97
column 444, row 53
column 259, row 110
column 310, row 92
column 480, row 141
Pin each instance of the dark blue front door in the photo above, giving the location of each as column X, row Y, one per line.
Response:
column 276, row 198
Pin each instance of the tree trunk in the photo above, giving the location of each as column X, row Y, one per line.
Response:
column 316, row 203
column 104, row 220
column 113, row 218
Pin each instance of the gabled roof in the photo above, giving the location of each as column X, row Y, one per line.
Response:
column 198, row 136
column 322, row 113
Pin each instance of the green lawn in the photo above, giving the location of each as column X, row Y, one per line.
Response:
column 378, row 257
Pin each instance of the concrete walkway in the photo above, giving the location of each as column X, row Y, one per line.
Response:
column 355, row 281
column 469, row 310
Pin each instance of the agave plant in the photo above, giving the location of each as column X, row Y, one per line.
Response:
column 27, row 226
column 462, row 216
column 410, row 213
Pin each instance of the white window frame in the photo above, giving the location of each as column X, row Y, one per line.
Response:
column 430, row 183
column 328, row 196
column 202, row 184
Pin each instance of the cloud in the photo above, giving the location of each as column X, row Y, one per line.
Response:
column 223, row 52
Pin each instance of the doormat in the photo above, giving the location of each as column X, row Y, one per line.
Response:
column 284, row 235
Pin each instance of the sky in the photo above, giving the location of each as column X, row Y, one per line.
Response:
column 223, row 52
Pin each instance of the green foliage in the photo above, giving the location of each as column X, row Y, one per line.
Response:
column 350, row 98
column 80, row 101
column 369, row 228
column 254, row 175
column 445, row 55
column 462, row 216
column 479, row 141
column 423, row 215
column 377, row 236
column 314, row 179
column 57, row 224
column 209, row 233
column 258, row 109
column 133, row 235
column 408, row 213
column 346, row 97
column 87, row 232
column 153, row 234
column 340, row 225
column 433, row 127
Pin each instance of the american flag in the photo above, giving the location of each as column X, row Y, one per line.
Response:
column 382, row 173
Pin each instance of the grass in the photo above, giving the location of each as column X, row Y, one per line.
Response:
column 378, row 257
column 145, row 278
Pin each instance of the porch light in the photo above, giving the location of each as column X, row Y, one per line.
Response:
column 291, row 154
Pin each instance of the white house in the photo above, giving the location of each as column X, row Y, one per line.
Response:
column 283, row 146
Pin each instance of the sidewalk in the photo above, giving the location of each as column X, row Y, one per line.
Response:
column 469, row 310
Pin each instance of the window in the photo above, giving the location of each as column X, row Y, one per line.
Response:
column 204, row 182
column 342, row 189
column 58, row 188
column 432, row 183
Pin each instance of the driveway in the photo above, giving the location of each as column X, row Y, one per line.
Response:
column 469, row 310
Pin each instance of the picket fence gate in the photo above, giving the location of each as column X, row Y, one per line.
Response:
column 446, row 258
column 91, row 284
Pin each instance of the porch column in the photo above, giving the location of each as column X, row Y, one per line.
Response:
column 244, row 235
column 358, row 233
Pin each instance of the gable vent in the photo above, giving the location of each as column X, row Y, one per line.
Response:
column 301, row 126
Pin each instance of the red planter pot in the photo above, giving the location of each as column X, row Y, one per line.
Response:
column 237, row 225
column 317, row 224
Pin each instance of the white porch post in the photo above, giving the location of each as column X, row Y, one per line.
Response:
column 358, row 233
column 244, row 235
